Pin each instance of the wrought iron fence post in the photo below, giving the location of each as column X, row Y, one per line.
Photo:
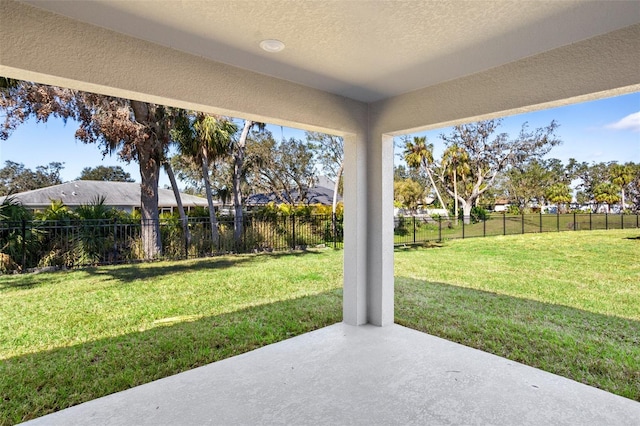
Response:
column 115, row 239
column 523, row 222
column 622, row 220
column 24, row 245
column 504, row 223
column 414, row 229
column 541, row 220
column 293, row 232
column 463, row 220
column 245, row 224
column 606, row 220
column 574, row 222
column 439, row 228
column 185, row 229
column 558, row 220
column 590, row 223
column 484, row 226
column 334, row 225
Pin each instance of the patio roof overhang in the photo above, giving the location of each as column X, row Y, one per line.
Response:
column 510, row 57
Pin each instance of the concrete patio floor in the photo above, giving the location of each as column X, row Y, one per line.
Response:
column 358, row 375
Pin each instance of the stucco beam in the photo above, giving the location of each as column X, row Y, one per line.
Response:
column 602, row 66
column 41, row 46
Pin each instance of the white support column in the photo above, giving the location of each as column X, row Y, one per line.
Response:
column 368, row 226
column 380, row 293
column 354, row 299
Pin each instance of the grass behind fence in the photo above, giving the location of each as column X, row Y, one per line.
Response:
column 409, row 230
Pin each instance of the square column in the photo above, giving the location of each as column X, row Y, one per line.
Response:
column 368, row 224
column 354, row 290
column 380, row 291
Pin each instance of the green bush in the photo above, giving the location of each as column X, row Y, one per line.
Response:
column 401, row 229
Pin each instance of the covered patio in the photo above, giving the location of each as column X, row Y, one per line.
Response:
column 363, row 375
column 366, row 71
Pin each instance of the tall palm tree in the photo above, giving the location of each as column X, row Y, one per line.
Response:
column 455, row 162
column 204, row 137
column 622, row 175
column 606, row 193
column 419, row 154
column 559, row 193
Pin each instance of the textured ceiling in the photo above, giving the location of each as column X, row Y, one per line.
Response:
column 365, row 50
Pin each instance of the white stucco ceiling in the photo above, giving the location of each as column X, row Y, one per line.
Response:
column 365, row 50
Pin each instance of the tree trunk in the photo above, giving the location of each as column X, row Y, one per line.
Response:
column 238, row 221
column 334, row 204
column 435, row 188
column 455, row 196
column 176, row 193
column 213, row 220
column 466, row 212
column 149, row 152
column 150, row 232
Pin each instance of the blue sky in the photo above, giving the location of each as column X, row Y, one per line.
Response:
column 604, row 130
column 597, row 131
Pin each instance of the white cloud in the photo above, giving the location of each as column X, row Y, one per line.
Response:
column 630, row 122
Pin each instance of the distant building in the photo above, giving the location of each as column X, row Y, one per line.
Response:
column 316, row 195
column 120, row 195
column 501, row 205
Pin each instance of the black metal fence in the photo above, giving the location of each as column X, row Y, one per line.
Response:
column 409, row 230
column 73, row 243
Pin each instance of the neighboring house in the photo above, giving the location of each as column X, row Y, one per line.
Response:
column 501, row 205
column 315, row 195
column 120, row 195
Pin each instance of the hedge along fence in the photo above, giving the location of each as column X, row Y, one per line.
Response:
column 414, row 229
column 77, row 242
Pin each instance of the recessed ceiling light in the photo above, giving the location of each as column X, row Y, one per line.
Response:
column 271, row 45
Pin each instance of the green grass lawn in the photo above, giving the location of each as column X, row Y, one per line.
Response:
column 69, row 337
column 568, row 303
column 565, row 302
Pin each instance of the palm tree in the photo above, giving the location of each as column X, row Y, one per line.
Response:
column 622, row 175
column 204, row 137
column 558, row 193
column 418, row 154
column 606, row 193
column 455, row 162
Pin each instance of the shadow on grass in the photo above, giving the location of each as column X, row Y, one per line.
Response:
column 141, row 271
column 36, row 384
column 599, row 350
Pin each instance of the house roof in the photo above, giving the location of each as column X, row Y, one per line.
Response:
column 315, row 195
column 117, row 194
column 364, row 50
